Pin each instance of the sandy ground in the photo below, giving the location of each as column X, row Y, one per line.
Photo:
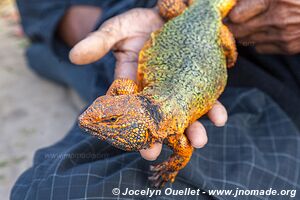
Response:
column 34, row 113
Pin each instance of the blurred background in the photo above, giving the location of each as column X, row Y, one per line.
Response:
column 34, row 113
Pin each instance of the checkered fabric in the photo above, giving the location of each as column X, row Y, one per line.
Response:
column 257, row 149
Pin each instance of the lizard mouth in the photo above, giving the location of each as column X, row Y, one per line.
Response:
column 108, row 135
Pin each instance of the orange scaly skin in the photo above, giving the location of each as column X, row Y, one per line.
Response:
column 181, row 73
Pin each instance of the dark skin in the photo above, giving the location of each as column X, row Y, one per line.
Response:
column 272, row 26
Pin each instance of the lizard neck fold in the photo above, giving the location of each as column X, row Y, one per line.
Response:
column 166, row 113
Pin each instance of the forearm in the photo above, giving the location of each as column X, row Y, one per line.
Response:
column 77, row 23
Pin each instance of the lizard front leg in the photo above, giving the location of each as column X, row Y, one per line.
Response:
column 228, row 45
column 169, row 9
column 227, row 39
column 122, row 86
column 168, row 170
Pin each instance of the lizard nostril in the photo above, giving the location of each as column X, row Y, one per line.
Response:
column 88, row 118
column 83, row 121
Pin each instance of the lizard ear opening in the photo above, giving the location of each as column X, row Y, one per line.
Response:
column 122, row 86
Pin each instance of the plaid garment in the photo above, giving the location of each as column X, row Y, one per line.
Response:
column 257, row 149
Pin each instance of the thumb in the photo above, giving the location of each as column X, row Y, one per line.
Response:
column 246, row 9
column 130, row 24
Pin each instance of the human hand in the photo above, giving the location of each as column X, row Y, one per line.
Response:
column 272, row 26
column 126, row 34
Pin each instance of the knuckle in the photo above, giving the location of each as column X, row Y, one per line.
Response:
column 134, row 14
column 234, row 17
column 284, row 19
column 263, row 4
column 289, row 48
column 112, row 27
column 108, row 28
column 283, row 23
column 285, row 37
column 266, row 3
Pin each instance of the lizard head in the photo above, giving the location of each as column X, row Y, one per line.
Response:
column 123, row 121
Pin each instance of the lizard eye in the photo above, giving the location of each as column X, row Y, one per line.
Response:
column 110, row 120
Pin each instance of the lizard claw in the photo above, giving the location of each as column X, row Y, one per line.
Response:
column 161, row 175
column 156, row 168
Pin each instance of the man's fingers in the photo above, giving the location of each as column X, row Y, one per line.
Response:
column 151, row 153
column 218, row 114
column 261, row 37
column 196, row 134
column 127, row 57
column 267, row 48
column 257, row 24
column 130, row 24
column 97, row 44
column 245, row 10
column 126, row 69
